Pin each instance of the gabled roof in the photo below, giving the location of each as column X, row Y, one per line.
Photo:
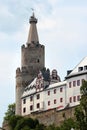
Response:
column 79, row 69
column 30, row 89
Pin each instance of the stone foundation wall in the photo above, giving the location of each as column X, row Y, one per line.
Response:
column 53, row 116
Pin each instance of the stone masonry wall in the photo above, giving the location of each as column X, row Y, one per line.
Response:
column 53, row 116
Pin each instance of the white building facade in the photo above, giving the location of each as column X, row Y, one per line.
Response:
column 43, row 95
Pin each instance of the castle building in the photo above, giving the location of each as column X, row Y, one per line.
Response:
column 38, row 89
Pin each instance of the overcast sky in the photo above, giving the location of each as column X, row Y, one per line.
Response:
column 62, row 28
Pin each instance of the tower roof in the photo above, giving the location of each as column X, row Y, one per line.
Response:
column 33, row 34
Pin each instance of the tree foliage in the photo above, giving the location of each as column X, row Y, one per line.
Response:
column 68, row 124
column 10, row 112
column 14, row 120
column 81, row 110
column 29, row 123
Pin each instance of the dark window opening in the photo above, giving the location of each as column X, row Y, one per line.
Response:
column 38, row 60
column 38, row 96
column 54, row 91
column 61, row 89
column 48, row 103
column 61, row 99
column 54, row 101
column 31, row 107
column 74, row 99
column 38, row 105
column 78, row 82
column 69, row 84
column 24, row 110
column 24, row 101
column 80, row 68
column 70, row 100
column 74, row 83
column 85, row 67
column 48, row 92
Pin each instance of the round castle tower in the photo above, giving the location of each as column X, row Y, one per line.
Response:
column 32, row 60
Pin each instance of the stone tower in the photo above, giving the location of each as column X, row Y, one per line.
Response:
column 32, row 60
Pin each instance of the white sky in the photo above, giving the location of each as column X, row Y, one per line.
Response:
column 62, row 28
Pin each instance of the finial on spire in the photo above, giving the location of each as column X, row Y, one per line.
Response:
column 33, row 11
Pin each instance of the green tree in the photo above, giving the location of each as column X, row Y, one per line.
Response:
column 29, row 123
column 67, row 124
column 40, row 127
column 10, row 112
column 81, row 110
column 14, row 120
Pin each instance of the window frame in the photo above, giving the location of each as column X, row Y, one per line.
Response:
column 38, row 96
column 55, row 101
column 24, row 101
column 70, row 84
column 31, row 107
column 78, row 82
column 48, row 92
column 48, row 103
column 38, row 105
column 61, row 99
column 24, row 110
column 55, row 91
column 61, row 89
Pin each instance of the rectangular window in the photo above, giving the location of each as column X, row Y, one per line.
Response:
column 78, row 82
column 54, row 91
column 78, row 98
column 48, row 92
column 80, row 69
column 24, row 101
column 74, row 83
column 24, row 109
column 31, row 107
column 61, row 89
column 38, row 105
column 38, row 96
column 70, row 99
column 54, row 101
column 61, row 99
column 85, row 67
column 48, row 103
column 74, row 99
column 69, row 84
column 31, row 98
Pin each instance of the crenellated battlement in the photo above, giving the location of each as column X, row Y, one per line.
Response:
column 18, row 71
column 32, row 46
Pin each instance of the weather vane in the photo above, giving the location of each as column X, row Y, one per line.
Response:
column 32, row 10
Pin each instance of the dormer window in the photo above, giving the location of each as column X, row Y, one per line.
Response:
column 85, row 67
column 80, row 69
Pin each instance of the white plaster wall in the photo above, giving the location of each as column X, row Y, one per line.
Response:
column 74, row 91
